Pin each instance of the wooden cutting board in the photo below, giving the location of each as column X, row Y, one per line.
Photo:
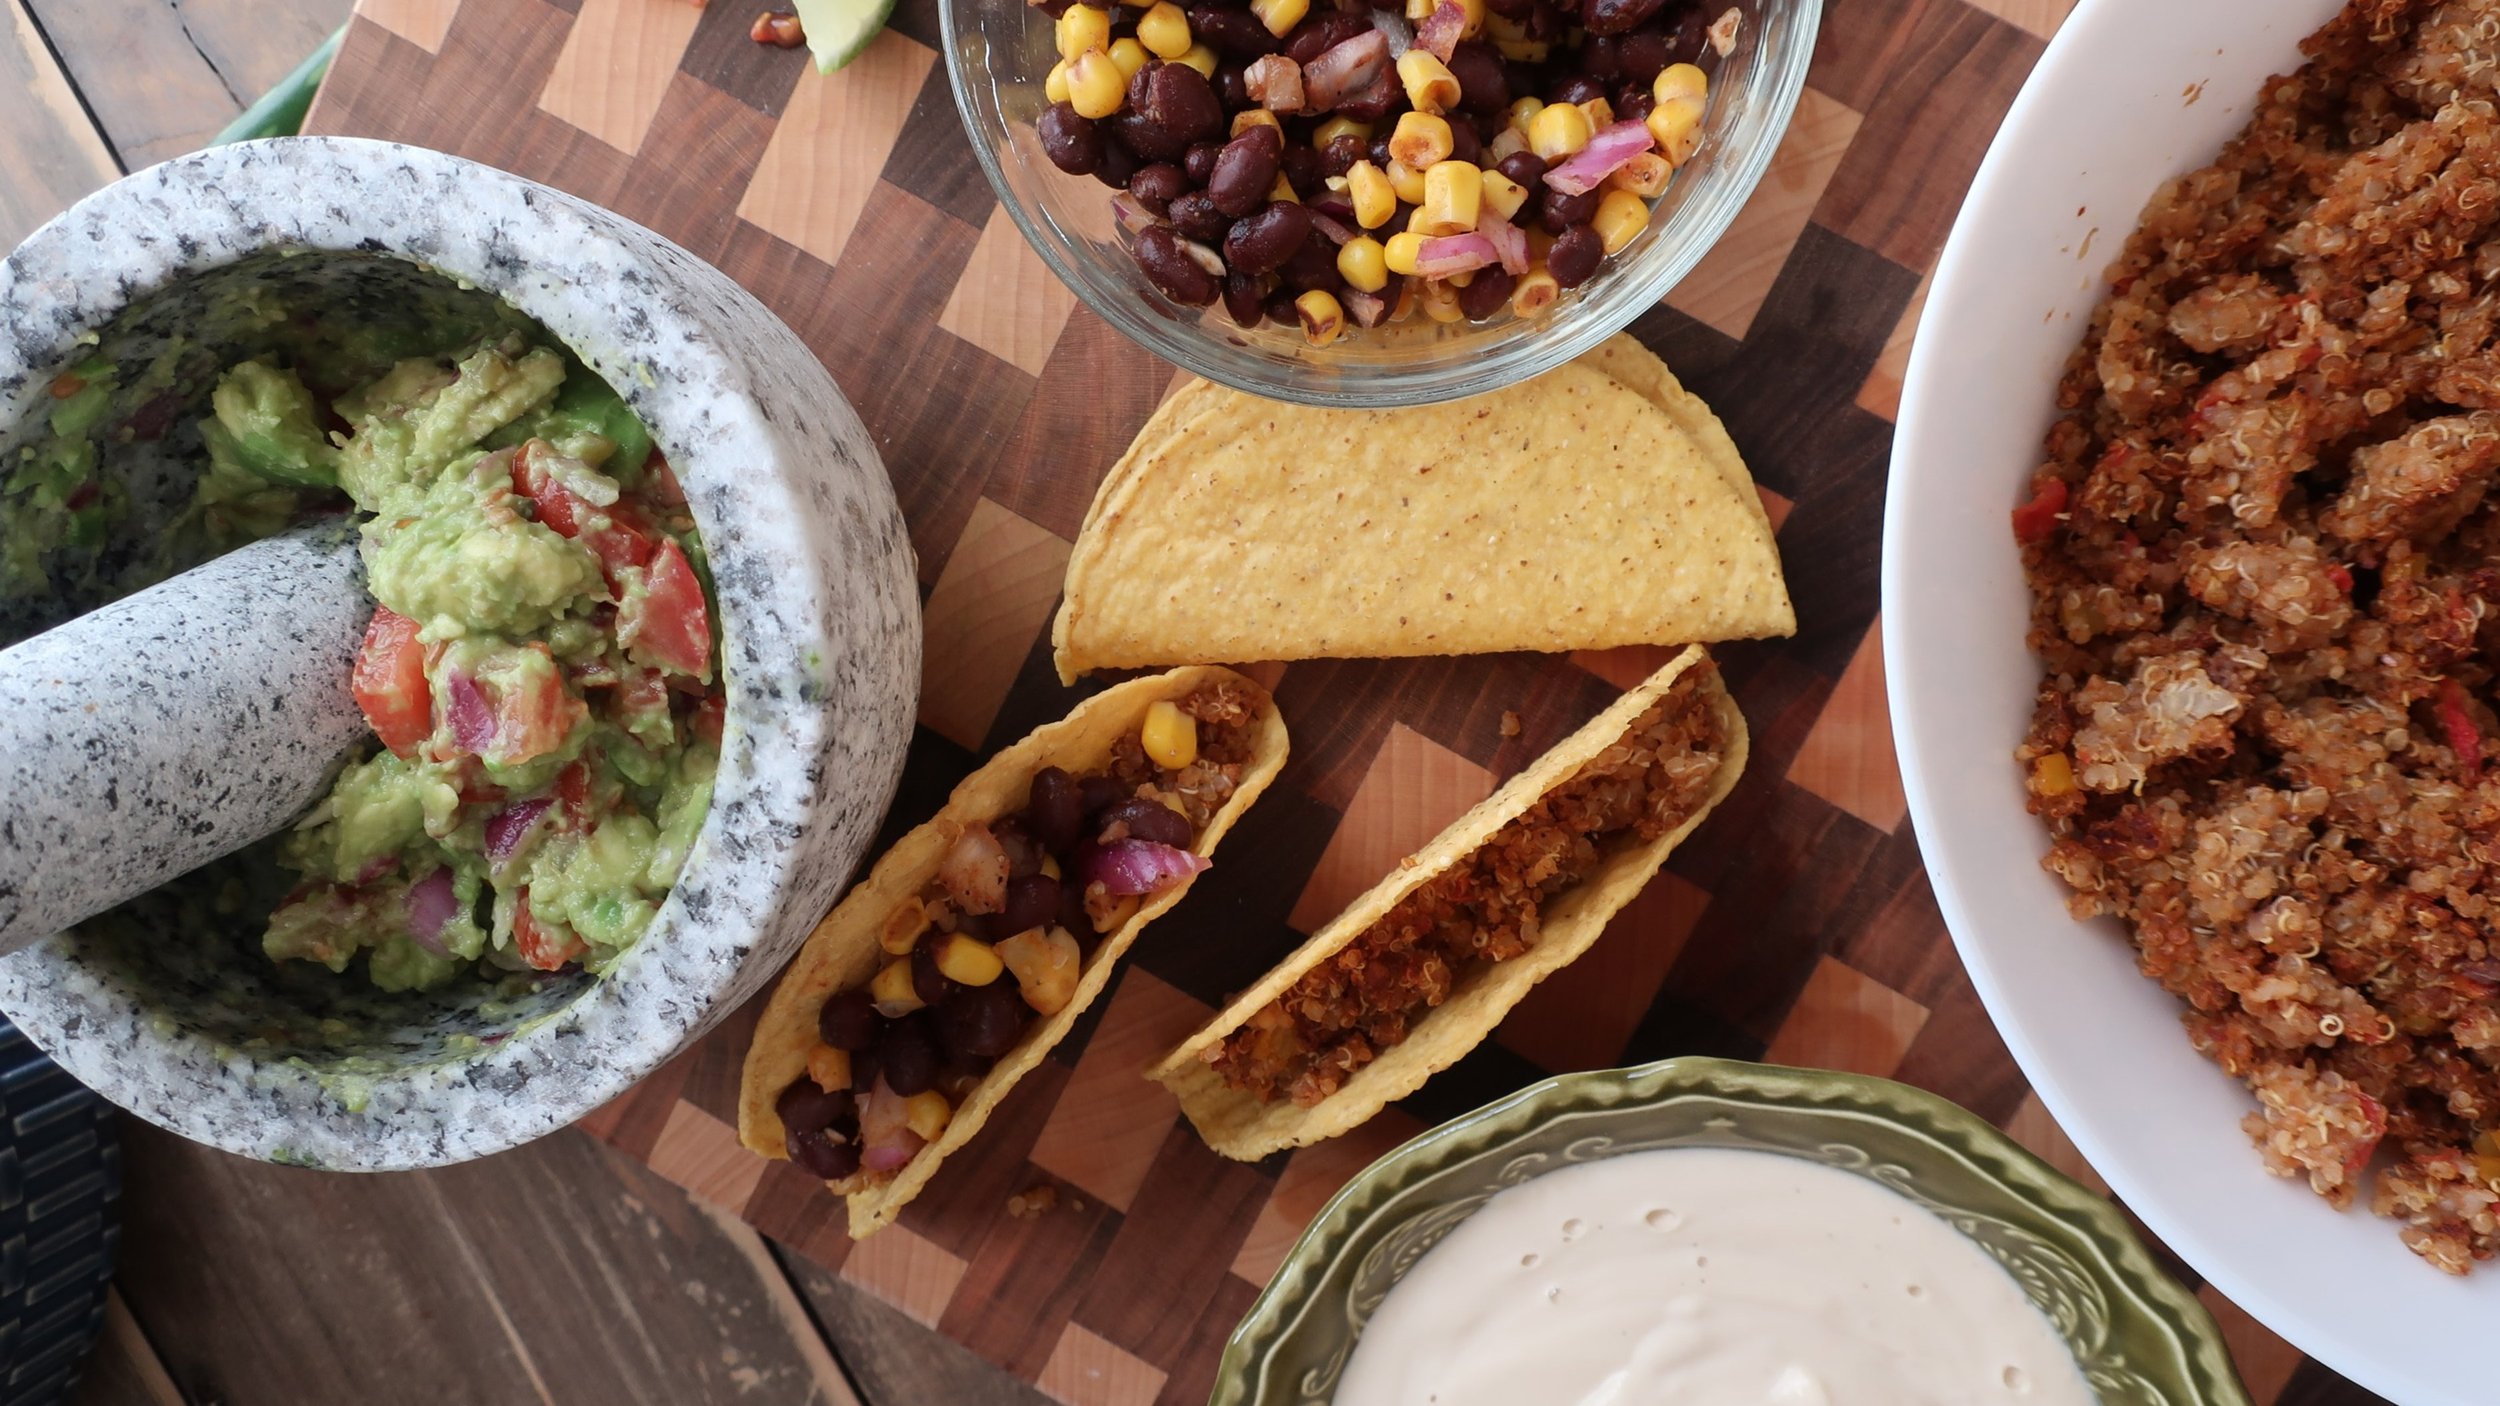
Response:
column 1797, row 926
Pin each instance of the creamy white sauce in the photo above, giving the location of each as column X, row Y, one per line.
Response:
column 1711, row 1278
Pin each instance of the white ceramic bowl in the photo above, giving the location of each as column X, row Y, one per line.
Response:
column 2131, row 93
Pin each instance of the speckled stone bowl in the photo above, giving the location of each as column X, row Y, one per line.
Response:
column 177, row 1016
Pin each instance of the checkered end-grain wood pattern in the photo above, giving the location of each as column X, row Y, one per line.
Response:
column 1796, row 926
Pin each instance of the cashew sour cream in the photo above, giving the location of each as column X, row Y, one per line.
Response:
column 1707, row 1277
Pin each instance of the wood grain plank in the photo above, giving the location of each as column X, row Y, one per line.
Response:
column 998, row 589
column 616, row 65
column 1845, row 1019
column 894, row 1360
column 1729, row 285
column 820, row 167
column 1087, row 1370
column 125, row 1370
column 50, row 153
column 420, row 22
column 151, row 87
column 559, row 1272
column 2266, row 1362
column 254, row 43
column 1008, row 303
column 1104, row 1129
column 1413, row 789
column 1847, row 759
column 2041, row 17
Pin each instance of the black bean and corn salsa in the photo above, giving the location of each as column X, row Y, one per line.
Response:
column 1356, row 163
column 1485, row 909
column 1000, row 936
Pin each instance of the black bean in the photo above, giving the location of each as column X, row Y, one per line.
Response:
column 1379, row 152
column 1644, row 52
column 1100, row 793
column 1559, row 212
column 1195, row 215
column 1487, row 293
column 982, row 1023
column 1620, row 16
column 1143, row 135
column 1031, row 902
column 1302, row 167
column 1395, row 224
column 1687, row 32
column 1118, row 162
column 1151, row 820
column 1245, row 172
column 848, row 1021
column 911, row 1055
column 1242, row 293
column 1200, row 162
column 1181, row 102
column 1236, row 34
column 1053, row 8
column 1170, row 268
column 1232, row 87
column 927, row 982
column 980, row 926
column 1575, row 256
column 1056, row 811
column 1154, row 186
column 1525, row 169
column 1070, row 141
column 1578, row 88
column 1601, row 56
column 1482, row 86
column 1014, row 834
column 1635, row 103
column 1547, row 22
column 821, row 1156
column 865, row 1065
column 1509, row 9
column 1373, row 103
column 1344, row 149
column 806, row 1108
column 1465, row 144
column 1280, row 309
column 1262, row 242
column 1313, row 266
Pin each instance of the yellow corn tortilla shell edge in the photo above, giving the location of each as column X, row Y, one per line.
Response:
column 1237, row 1125
column 843, row 951
column 1636, row 368
column 1171, row 421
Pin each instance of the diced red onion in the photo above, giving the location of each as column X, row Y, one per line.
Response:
column 1274, row 82
column 1605, row 154
column 1345, row 70
column 472, row 721
column 1367, row 309
column 886, row 1139
column 376, row 867
column 1443, row 255
column 1509, row 241
column 1127, row 867
column 1394, row 28
column 1335, row 204
column 1337, row 231
column 431, row 906
column 1438, row 34
column 511, row 830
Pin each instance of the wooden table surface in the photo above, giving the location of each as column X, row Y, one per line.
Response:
column 1798, row 927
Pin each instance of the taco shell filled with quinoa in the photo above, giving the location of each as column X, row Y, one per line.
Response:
column 1413, row 974
column 978, row 940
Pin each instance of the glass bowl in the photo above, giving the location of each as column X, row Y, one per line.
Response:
column 999, row 51
column 2140, row 1338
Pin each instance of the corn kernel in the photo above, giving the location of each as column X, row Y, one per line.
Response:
column 1523, row 50
column 1362, row 264
column 1336, row 127
column 927, row 1113
column 1129, row 55
column 1644, row 175
column 2053, row 775
column 1680, row 80
column 1402, row 251
column 903, row 926
column 829, row 1067
column 1620, row 218
column 1096, row 87
column 891, row 990
column 1440, row 301
column 1500, row 28
column 1283, row 190
column 1055, row 86
column 1335, row 183
column 1199, row 57
column 1083, row 27
column 1045, row 964
column 1402, row 300
column 1165, row 30
column 1505, row 144
column 1502, row 195
column 1050, row 866
column 1374, row 199
column 1557, row 131
column 1600, row 113
column 1250, row 117
column 1453, row 198
column 1676, row 126
column 1407, row 181
column 1421, row 10
column 1459, row 279
column 1524, row 111
column 1323, row 321
column 1280, row 16
column 1430, row 85
column 1536, row 292
column 1169, row 735
column 1475, row 12
column 1420, row 139
column 967, row 959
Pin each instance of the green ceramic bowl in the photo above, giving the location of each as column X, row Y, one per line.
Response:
column 2140, row 1338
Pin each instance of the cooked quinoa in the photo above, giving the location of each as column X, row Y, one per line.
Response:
column 2263, row 573
column 1484, row 909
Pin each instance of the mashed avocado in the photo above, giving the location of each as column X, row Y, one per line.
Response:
column 541, row 673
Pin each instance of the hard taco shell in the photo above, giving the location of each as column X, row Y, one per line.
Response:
column 1236, row 1124
column 843, row 951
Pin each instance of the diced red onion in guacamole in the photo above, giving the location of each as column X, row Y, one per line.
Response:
column 431, row 906
column 512, row 830
column 472, row 719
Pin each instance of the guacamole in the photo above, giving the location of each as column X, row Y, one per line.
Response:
column 541, row 672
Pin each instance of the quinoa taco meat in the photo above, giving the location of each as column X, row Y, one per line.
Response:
column 981, row 936
column 1414, row 973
